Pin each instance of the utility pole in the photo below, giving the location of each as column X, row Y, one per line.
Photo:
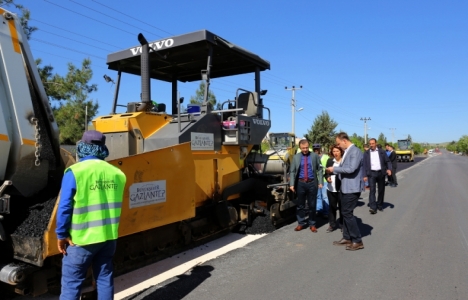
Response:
column 86, row 119
column 293, row 105
column 393, row 134
column 365, row 128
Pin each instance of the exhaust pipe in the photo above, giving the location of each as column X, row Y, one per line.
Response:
column 145, row 75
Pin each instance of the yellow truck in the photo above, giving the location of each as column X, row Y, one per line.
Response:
column 404, row 151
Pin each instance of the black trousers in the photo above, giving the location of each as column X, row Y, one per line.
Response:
column 334, row 200
column 306, row 191
column 394, row 179
column 376, row 178
column 350, row 226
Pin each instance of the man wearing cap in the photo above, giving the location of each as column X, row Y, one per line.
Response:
column 88, row 218
column 306, row 176
column 322, row 196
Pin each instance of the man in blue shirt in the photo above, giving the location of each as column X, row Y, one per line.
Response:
column 305, row 178
column 78, row 258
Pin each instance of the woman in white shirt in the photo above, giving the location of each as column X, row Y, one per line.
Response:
column 333, row 191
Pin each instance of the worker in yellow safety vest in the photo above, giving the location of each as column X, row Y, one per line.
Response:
column 88, row 218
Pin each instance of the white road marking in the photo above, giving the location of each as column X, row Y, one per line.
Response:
column 153, row 274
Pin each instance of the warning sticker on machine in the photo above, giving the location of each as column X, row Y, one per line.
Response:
column 202, row 141
column 147, row 193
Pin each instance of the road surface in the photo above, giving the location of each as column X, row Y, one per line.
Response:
column 417, row 248
column 405, row 165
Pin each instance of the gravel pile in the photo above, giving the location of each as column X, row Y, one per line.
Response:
column 261, row 224
column 37, row 220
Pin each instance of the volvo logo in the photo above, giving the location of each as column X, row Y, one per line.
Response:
column 155, row 45
column 261, row 122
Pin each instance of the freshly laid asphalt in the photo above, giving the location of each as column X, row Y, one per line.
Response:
column 417, row 248
column 405, row 165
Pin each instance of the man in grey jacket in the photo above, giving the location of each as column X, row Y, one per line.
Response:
column 352, row 184
column 306, row 176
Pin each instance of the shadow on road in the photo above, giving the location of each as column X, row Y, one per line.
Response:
column 364, row 228
column 181, row 287
column 320, row 221
column 360, row 203
column 389, row 205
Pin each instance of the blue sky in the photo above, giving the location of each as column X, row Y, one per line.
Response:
column 404, row 64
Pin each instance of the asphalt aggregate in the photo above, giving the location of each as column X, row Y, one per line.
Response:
column 37, row 219
column 416, row 248
column 260, row 224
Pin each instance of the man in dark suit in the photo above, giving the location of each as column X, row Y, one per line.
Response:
column 306, row 177
column 393, row 160
column 350, row 173
column 376, row 165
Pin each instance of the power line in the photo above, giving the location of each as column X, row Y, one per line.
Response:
column 268, row 74
column 88, row 17
column 311, row 96
column 67, row 58
column 271, row 80
column 133, row 17
column 82, row 43
column 100, row 12
column 306, row 105
column 87, row 37
column 69, row 49
column 319, row 100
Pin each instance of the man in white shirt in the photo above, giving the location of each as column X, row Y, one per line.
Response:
column 376, row 165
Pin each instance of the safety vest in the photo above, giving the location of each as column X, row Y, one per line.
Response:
column 97, row 203
column 323, row 161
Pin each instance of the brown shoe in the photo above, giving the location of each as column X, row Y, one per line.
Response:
column 298, row 228
column 355, row 246
column 342, row 242
column 313, row 229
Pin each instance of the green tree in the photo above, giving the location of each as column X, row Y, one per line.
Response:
column 70, row 118
column 463, row 144
column 417, row 148
column 323, row 130
column 382, row 140
column 200, row 93
column 265, row 146
column 50, row 86
column 452, row 146
column 357, row 138
column 357, row 142
column 71, row 95
column 24, row 15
